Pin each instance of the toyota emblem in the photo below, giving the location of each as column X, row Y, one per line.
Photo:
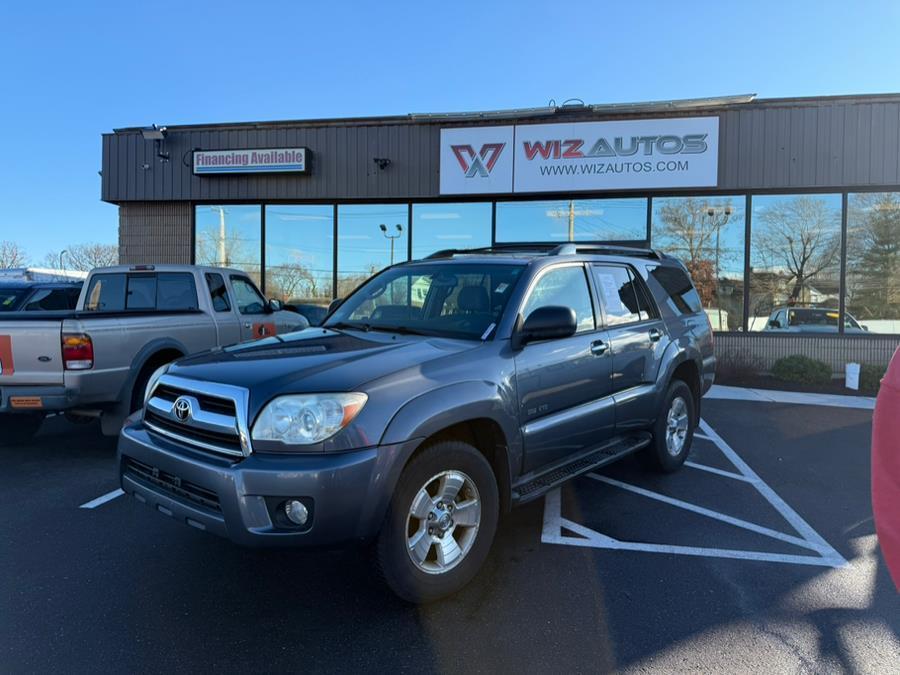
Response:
column 182, row 409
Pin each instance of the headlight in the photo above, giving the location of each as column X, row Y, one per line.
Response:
column 307, row 418
column 154, row 380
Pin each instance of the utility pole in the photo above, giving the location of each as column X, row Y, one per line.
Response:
column 571, row 220
column 221, row 253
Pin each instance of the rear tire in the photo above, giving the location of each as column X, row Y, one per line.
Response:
column 19, row 429
column 673, row 432
column 440, row 524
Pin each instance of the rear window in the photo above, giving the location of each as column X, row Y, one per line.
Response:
column 10, row 298
column 682, row 296
column 52, row 299
column 165, row 292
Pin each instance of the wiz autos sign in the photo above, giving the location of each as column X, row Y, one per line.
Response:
column 626, row 155
column 270, row 160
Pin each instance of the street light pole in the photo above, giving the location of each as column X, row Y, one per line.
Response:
column 61, row 254
column 391, row 237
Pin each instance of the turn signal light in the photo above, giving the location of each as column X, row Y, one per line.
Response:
column 77, row 351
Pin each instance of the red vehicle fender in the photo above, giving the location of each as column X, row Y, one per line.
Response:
column 886, row 467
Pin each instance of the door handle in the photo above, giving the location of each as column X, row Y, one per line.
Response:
column 655, row 334
column 599, row 348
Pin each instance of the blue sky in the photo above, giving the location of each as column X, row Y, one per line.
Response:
column 70, row 71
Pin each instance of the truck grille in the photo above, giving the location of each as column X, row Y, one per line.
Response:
column 206, row 416
column 172, row 484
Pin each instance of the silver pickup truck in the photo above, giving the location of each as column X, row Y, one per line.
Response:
column 129, row 322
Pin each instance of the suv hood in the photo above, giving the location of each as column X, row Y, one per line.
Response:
column 315, row 360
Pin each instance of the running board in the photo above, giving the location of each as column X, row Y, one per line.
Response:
column 533, row 486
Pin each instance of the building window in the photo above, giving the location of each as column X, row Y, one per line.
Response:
column 572, row 220
column 370, row 237
column 229, row 236
column 795, row 262
column 300, row 253
column 873, row 263
column 441, row 226
column 707, row 235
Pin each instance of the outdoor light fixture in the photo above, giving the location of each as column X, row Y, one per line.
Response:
column 382, row 162
column 153, row 133
column 157, row 135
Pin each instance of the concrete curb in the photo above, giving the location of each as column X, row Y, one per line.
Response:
column 771, row 396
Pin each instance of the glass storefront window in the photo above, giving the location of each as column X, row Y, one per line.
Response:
column 707, row 235
column 300, row 253
column 572, row 220
column 873, row 263
column 795, row 263
column 229, row 236
column 441, row 226
column 370, row 237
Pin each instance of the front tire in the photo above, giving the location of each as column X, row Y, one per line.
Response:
column 19, row 429
column 673, row 432
column 440, row 524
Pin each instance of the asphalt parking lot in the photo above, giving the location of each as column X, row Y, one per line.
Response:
column 761, row 555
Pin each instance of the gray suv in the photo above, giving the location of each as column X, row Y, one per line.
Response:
column 438, row 395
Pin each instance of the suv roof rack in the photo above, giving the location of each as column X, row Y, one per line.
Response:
column 539, row 248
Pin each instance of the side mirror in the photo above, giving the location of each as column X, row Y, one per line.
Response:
column 774, row 323
column 334, row 304
column 547, row 323
column 274, row 305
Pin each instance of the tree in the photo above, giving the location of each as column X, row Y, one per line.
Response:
column 798, row 239
column 691, row 230
column 83, row 257
column 873, row 277
column 12, row 255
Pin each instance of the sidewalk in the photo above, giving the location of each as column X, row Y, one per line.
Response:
column 771, row 396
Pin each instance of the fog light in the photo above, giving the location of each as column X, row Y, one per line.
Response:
column 296, row 512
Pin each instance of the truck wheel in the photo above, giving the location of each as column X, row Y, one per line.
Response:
column 673, row 432
column 18, row 429
column 440, row 523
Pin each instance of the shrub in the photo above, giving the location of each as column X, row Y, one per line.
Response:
column 802, row 369
column 870, row 378
column 737, row 366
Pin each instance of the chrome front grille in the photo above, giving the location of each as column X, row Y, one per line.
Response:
column 204, row 415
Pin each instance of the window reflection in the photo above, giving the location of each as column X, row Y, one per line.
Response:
column 370, row 237
column 795, row 259
column 707, row 235
column 873, row 262
column 572, row 220
column 299, row 253
column 229, row 236
column 442, row 226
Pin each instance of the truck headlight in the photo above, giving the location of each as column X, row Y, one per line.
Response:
column 304, row 419
column 154, row 380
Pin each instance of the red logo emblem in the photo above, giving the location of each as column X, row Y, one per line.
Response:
column 478, row 164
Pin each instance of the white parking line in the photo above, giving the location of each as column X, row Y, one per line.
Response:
column 557, row 528
column 101, row 500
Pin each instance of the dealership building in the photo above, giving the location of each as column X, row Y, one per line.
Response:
column 775, row 205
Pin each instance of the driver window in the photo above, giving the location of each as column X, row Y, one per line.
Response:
column 246, row 297
column 565, row 287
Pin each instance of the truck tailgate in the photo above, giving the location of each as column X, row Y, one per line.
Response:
column 30, row 352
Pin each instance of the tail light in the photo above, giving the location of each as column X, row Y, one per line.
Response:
column 77, row 351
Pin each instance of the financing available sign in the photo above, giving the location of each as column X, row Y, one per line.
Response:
column 619, row 155
column 267, row 160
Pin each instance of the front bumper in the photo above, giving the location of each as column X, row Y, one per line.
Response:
column 347, row 493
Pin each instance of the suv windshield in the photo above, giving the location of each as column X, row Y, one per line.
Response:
column 461, row 300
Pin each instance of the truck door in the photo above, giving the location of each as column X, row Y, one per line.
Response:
column 226, row 318
column 637, row 339
column 564, row 385
column 255, row 321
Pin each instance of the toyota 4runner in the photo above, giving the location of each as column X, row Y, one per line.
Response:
column 438, row 395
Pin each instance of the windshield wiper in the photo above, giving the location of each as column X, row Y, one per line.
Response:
column 402, row 330
column 344, row 325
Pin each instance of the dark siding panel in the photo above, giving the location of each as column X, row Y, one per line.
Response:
column 778, row 146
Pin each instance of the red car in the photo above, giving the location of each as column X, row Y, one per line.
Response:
column 886, row 467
